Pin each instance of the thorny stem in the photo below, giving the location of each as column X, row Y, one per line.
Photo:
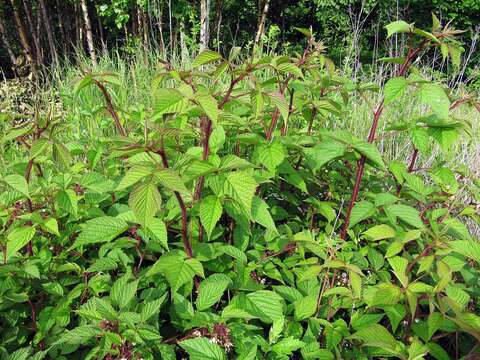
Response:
column 411, row 54
column 110, row 108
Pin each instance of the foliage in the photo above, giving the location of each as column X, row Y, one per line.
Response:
column 207, row 225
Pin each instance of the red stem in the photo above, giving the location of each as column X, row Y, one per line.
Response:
column 183, row 208
column 412, row 53
column 111, row 109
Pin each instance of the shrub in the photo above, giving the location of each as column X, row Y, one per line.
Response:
column 226, row 222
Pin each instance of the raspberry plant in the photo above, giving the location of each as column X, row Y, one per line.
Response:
column 225, row 221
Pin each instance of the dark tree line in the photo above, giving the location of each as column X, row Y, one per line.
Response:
column 39, row 32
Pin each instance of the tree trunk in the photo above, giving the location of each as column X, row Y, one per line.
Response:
column 102, row 38
column 160, row 28
column 146, row 37
column 170, row 25
column 88, row 31
column 61, row 25
column 204, row 24
column 218, row 21
column 6, row 43
column 22, row 32
column 51, row 43
column 34, row 32
column 263, row 11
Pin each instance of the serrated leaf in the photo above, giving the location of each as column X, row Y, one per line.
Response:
column 176, row 269
column 151, row 308
column 271, row 155
column 361, row 211
column 157, row 231
column 211, row 290
column 209, row 105
column 305, row 307
column 134, row 175
column 18, row 238
column 406, row 213
column 380, row 232
column 281, row 104
column 377, row 336
column 371, row 152
column 210, row 212
column 166, row 101
column 67, row 200
column 101, row 229
column 261, row 215
column 399, row 26
column 399, row 266
column 145, row 200
column 394, row 89
column 265, row 305
column 206, row 57
column 322, row 153
column 434, row 95
column 240, row 187
column 17, row 183
column 123, row 291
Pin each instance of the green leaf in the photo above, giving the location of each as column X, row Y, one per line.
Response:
column 399, row 266
column 305, row 307
column 371, row 152
column 206, row 57
column 157, row 231
column 394, row 89
column 210, row 212
column 380, row 232
column 406, row 213
column 79, row 335
column 67, row 200
column 18, row 183
column 468, row 248
column 101, row 229
column 240, row 187
column 420, row 139
column 50, row 225
column 38, row 147
column 279, row 101
column 361, row 211
column 170, row 179
column 290, row 68
column 18, row 238
column 377, row 336
column 167, row 101
column 261, row 215
column 152, row 308
column 399, row 26
column 145, row 201
column 176, row 269
column 271, row 155
column 287, row 346
column 434, row 95
column 209, row 106
column 201, row 348
column 134, row 175
column 123, row 291
column 211, row 290
column 266, row 305
column 322, row 153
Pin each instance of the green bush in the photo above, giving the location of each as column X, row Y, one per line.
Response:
column 226, row 221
